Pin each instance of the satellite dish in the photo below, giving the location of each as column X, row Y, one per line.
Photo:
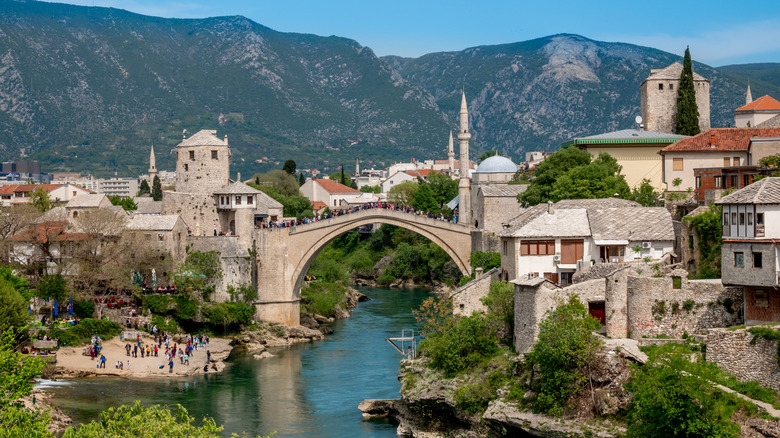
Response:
column 638, row 120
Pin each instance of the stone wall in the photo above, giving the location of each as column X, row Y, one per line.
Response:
column 466, row 299
column 536, row 296
column 236, row 261
column 199, row 211
column 655, row 307
column 733, row 351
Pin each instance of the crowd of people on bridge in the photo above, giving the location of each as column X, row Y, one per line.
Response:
column 357, row 208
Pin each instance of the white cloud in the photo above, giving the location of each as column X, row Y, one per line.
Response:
column 718, row 44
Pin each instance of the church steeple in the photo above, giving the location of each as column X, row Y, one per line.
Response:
column 464, row 185
column 748, row 95
column 152, row 166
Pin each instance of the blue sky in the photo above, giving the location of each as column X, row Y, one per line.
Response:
column 718, row 32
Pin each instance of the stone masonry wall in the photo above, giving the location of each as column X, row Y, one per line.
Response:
column 654, row 307
column 466, row 300
column 733, row 351
column 199, row 211
column 236, row 261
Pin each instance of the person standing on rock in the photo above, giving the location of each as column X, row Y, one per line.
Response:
column 208, row 355
column 170, row 364
column 127, row 349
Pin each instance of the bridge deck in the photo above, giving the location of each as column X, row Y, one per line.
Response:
column 379, row 214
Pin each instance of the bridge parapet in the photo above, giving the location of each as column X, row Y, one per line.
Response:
column 380, row 213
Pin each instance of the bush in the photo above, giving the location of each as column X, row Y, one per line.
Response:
column 464, row 343
column 500, row 302
column 323, row 297
column 82, row 332
column 158, row 304
column 563, row 352
column 165, row 324
column 84, row 308
column 485, row 260
column 226, row 315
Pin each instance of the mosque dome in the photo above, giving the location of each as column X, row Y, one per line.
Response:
column 497, row 164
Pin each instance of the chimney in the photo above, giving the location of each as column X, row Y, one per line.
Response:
column 238, row 178
column 478, row 273
column 712, row 140
column 550, row 208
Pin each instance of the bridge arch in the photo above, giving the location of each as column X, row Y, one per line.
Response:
column 454, row 239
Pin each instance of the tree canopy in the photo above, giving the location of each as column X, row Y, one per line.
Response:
column 687, row 120
column 40, row 199
column 570, row 174
column 157, row 189
column 144, row 188
column 290, row 167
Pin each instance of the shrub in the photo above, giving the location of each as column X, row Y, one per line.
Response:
column 82, row 332
column 464, row 343
column 83, row 308
column 323, row 297
column 165, row 324
column 564, row 350
column 159, row 304
column 500, row 302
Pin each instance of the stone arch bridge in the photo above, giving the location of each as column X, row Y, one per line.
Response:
column 283, row 255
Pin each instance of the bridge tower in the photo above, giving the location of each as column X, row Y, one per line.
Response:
column 464, row 185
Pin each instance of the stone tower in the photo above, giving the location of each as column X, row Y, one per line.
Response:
column 451, row 156
column 202, row 163
column 152, row 166
column 464, row 185
column 659, row 99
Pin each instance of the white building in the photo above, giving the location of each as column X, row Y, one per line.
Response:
column 329, row 192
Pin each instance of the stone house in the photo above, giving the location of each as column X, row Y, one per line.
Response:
column 86, row 202
column 635, row 150
column 328, row 191
column 166, row 231
column 556, row 240
column 242, row 208
column 659, row 98
column 716, row 148
column 397, row 178
column 750, row 255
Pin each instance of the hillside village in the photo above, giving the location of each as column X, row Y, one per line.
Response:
column 640, row 269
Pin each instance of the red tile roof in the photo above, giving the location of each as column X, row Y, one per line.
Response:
column 48, row 231
column 721, row 139
column 421, row 172
column 762, row 103
column 318, row 205
column 331, row 186
column 8, row 189
column 31, row 187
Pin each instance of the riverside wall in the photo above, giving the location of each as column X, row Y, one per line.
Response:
column 744, row 356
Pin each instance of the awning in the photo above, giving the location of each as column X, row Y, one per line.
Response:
column 611, row 242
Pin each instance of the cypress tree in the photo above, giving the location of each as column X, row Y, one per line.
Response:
column 157, row 189
column 687, row 122
column 301, row 179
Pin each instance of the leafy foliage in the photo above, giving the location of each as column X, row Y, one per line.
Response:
column 82, row 332
column 708, row 226
column 500, row 301
column 485, row 260
column 464, row 343
column 290, row 167
column 283, row 188
column 245, row 292
column 144, row 188
column 40, row 199
column 18, row 371
column 403, row 194
column 569, row 173
column 53, row 287
column 424, row 200
column 687, row 120
column 434, row 314
column 126, row 203
column 646, row 194
column 200, row 269
column 13, row 307
column 322, row 297
column 565, row 349
column 83, row 308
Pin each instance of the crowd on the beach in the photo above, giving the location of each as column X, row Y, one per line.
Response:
column 162, row 344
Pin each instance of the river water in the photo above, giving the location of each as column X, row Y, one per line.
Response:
column 307, row 390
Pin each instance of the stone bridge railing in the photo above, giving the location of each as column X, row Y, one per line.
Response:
column 381, row 213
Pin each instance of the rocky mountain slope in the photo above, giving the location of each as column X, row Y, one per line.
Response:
column 93, row 88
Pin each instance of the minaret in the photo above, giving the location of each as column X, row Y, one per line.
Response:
column 464, row 185
column 451, row 155
column 357, row 168
column 748, row 95
column 152, row 167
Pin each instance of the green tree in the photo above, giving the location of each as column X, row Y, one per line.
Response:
column 301, row 179
column 464, row 343
column 17, row 371
column 403, row 194
column 289, row 167
column 487, row 154
column 371, row 189
column 53, row 287
column 144, row 188
column 126, row 203
column 40, row 199
column 563, row 353
column 13, row 307
column 687, row 120
column 548, row 171
column 646, row 194
column 281, row 181
column 424, row 200
column 157, row 189
column 343, row 178
column 444, row 188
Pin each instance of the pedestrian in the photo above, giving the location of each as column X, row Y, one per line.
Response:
column 128, row 364
column 142, row 352
column 186, row 359
column 170, row 364
column 127, row 349
column 155, row 350
column 181, row 357
column 135, row 350
column 102, row 361
column 208, row 355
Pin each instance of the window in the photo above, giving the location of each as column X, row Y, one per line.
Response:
column 750, row 219
column 504, row 246
column 759, row 218
column 192, row 155
column 733, row 181
column 739, row 260
column 214, row 155
column 186, row 167
column 74, row 193
column 661, row 87
column 726, row 162
column 250, row 200
column 671, row 86
column 758, row 262
column 718, row 182
column 160, row 237
column 238, row 200
column 677, row 164
column 537, row 247
column 742, row 218
column 698, row 182
column 736, row 161
column 733, row 218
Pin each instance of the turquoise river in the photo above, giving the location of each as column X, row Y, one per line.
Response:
column 307, row 390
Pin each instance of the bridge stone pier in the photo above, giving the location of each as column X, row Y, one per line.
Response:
column 283, row 255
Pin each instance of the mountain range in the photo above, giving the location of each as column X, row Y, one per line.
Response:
column 91, row 89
